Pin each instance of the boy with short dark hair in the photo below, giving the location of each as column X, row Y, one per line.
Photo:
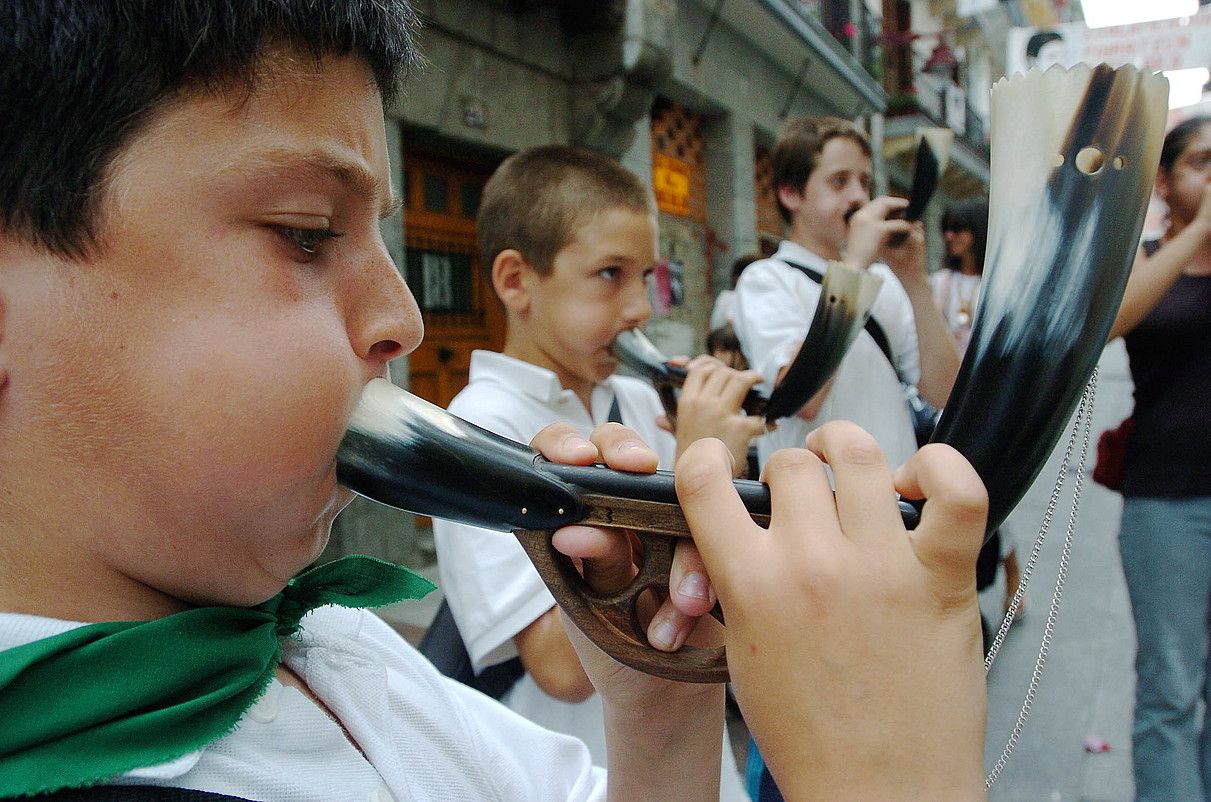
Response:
column 568, row 236
column 822, row 180
column 193, row 293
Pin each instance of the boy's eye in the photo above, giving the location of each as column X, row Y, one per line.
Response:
column 308, row 241
column 610, row 273
column 1201, row 161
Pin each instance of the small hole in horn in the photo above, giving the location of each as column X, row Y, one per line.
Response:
column 1058, row 161
column 1090, row 160
column 1119, row 162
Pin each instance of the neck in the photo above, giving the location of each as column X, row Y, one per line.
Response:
column 73, row 586
column 967, row 265
column 804, row 236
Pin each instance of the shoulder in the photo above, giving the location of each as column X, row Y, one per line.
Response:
column 471, row 745
column 773, row 279
column 495, row 406
column 765, row 269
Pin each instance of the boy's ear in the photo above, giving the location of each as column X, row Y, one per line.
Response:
column 511, row 277
column 790, row 198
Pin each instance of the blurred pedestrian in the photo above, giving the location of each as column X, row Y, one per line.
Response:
column 725, row 303
column 723, row 344
column 1165, row 534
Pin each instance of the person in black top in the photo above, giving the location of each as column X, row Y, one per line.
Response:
column 1165, row 536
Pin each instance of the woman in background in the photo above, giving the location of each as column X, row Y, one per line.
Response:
column 1165, row 534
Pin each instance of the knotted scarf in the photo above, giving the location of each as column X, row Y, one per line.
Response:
column 104, row 699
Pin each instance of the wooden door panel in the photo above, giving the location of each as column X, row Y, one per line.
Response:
column 460, row 310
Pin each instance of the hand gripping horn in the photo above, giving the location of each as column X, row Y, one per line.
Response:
column 405, row 452
column 1074, row 157
column 846, row 296
column 1062, row 243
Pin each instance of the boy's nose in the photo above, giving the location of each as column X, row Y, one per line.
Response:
column 383, row 318
column 637, row 308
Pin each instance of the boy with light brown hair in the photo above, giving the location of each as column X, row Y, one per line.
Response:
column 569, row 238
column 822, row 181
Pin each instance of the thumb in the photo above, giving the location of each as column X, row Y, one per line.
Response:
column 955, row 514
column 717, row 518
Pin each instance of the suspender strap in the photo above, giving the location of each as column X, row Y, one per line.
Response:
column 615, row 412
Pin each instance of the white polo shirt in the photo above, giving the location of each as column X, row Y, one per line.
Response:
column 422, row 736
column 493, row 589
column 775, row 304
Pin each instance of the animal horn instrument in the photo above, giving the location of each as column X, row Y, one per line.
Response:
column 1074, row 157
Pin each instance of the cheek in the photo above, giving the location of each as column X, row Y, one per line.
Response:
column 278, row 412
column 584, row 322
column 244, row 410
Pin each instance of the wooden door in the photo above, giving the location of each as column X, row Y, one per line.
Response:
column 460, row 310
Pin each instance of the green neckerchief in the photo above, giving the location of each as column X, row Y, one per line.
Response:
column 104, row 699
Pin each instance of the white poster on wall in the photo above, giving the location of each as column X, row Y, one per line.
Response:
column 969, row 8
column 1171, row 44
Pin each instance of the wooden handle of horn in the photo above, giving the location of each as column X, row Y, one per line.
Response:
column 611, row 620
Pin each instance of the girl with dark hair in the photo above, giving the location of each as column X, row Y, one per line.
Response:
column 957, row 287
column 1165, row 534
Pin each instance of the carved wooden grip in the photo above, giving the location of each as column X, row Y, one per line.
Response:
column 611, row 619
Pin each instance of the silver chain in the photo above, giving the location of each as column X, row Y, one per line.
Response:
column 1082, row 423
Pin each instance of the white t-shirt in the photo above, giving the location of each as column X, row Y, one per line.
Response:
column 493, row 589
column 957, row 295
column 775, row 304
column 422, row 736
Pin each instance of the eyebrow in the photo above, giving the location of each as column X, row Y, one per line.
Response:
column 352, row 175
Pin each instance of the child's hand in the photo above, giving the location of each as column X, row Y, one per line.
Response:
column 664, row 738
column 870, row 227
column 607, row 557
column 854, row 646
column 907, row 260
column 709, row 406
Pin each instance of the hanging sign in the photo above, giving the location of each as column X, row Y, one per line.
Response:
column 1170, row 44
column 671, row 184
